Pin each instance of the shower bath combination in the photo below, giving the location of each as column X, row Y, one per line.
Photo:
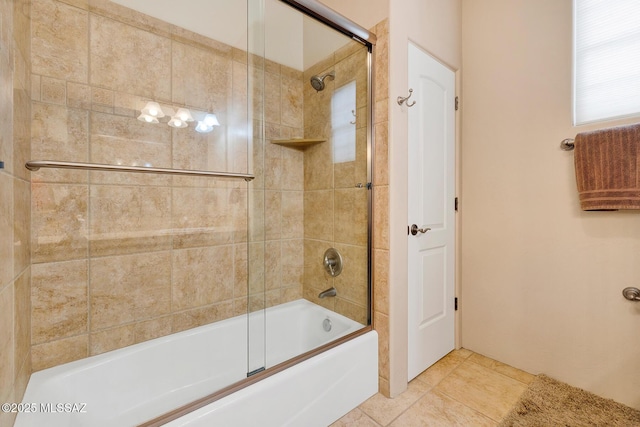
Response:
column 192, row 243
column 317, row 81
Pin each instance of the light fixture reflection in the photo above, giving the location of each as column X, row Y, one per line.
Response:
column 147, row 118
column 184, row 115
column 153, row 109
column 211, row 120
column 176, row 122
column 179, row 118
column 202, row 127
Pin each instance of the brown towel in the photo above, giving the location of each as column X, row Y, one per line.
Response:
column 607, row 170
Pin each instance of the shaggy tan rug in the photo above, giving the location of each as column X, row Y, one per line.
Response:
column 547, row 402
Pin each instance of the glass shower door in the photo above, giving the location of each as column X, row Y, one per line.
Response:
column 256, row 245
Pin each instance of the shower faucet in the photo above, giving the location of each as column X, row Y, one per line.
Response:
column 332, row 262
column 331, row 292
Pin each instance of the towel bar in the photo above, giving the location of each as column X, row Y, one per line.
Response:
column 632, row 294
column 567, row 144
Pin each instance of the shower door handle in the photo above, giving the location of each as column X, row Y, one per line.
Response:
column 415, row 230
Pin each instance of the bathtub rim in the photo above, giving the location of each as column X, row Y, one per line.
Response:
column 197, row 404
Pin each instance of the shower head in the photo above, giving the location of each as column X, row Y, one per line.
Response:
column 317, row 81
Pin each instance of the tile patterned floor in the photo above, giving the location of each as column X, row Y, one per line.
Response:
column 461, row 389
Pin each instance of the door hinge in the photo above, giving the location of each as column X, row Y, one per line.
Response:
column 457, row 103
column 455, row 204
column 455, row 303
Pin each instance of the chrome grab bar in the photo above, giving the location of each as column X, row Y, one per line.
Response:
column 34, row 165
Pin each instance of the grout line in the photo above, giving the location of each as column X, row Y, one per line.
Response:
column 498, row 372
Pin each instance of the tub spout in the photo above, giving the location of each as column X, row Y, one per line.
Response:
column 331, row 292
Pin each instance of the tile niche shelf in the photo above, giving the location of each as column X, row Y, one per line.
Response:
column 298, row 143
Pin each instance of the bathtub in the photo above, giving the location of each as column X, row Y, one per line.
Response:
column 129, row 386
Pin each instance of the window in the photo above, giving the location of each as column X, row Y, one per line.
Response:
column 343, row 123
column 606, row 59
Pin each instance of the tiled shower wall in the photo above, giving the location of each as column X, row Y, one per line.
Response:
column 277, row 231
column 381, row 203
column 335, row 198
column 122, row 258
column 15, row 271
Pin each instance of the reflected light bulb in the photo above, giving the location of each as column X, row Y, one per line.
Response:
column 175, row 122
column 211, row 120
column 153, row 109
column 203, row 128
column 147, row 118
column 184, row 115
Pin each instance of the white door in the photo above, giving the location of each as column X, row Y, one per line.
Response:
column 431, row 210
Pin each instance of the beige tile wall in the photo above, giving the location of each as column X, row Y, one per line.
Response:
column 335, row 210
column 277, row 197
column 15, row 261
column 122, row 258
column 381, row 203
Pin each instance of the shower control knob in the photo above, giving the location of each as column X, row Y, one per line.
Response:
column 332, row 262
column 415, row 230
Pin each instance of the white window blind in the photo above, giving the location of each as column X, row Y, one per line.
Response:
column 606, row 59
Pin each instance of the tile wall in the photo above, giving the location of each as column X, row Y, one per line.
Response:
column 122, row 258
column 276, row 230
column 381, row 202
column 15, row 268
column 335, row 207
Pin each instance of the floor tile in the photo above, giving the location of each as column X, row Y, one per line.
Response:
column 355, row 418
column 515, row 373
column 482, row 389
column 439, row 410
column 444, row 366
column 504, row 369
column 461, row 389
column 383, row 410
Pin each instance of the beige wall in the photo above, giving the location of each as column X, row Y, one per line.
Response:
column 366, row 13
column 542, row 280
column 15, row 260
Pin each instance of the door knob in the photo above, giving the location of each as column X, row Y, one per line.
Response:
column 415, row 230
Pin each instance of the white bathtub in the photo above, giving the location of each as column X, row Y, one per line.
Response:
column 129, row 386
